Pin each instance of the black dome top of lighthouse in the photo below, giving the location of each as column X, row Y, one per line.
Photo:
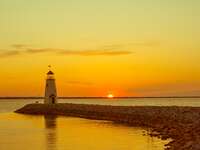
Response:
column 50, row 73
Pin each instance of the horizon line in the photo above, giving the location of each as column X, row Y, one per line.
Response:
column 94, row 97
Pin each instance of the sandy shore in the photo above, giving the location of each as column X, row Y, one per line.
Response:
column 182, row 124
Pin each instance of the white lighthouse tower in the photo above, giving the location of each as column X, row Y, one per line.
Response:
column 50, row 89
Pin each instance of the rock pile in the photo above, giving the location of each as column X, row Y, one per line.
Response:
column 181, row 124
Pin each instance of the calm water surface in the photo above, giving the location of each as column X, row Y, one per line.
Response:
column 138, row 101
column 27, row 132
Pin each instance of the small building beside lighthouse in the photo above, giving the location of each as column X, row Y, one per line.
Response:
column 50, row 89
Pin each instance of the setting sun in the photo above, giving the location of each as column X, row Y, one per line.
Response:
column 110, row 96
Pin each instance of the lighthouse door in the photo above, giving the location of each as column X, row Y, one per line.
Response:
column 53, row 100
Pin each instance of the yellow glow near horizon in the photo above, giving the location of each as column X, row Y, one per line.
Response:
column 110, row 96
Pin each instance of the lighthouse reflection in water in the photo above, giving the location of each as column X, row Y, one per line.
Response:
column 50, row 125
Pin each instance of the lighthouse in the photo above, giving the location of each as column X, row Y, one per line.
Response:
column 50, row 89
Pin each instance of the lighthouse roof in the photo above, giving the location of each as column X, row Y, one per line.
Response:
column 50, row 73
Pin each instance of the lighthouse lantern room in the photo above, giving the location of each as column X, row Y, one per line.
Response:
column 50, row 89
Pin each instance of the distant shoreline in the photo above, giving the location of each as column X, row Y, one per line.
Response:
column 101, row 97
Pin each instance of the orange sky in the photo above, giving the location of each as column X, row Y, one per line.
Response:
column 128, row 48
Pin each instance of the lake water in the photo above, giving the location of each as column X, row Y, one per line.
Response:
column 28, row 132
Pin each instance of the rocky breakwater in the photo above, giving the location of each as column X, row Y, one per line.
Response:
column 181, row 124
